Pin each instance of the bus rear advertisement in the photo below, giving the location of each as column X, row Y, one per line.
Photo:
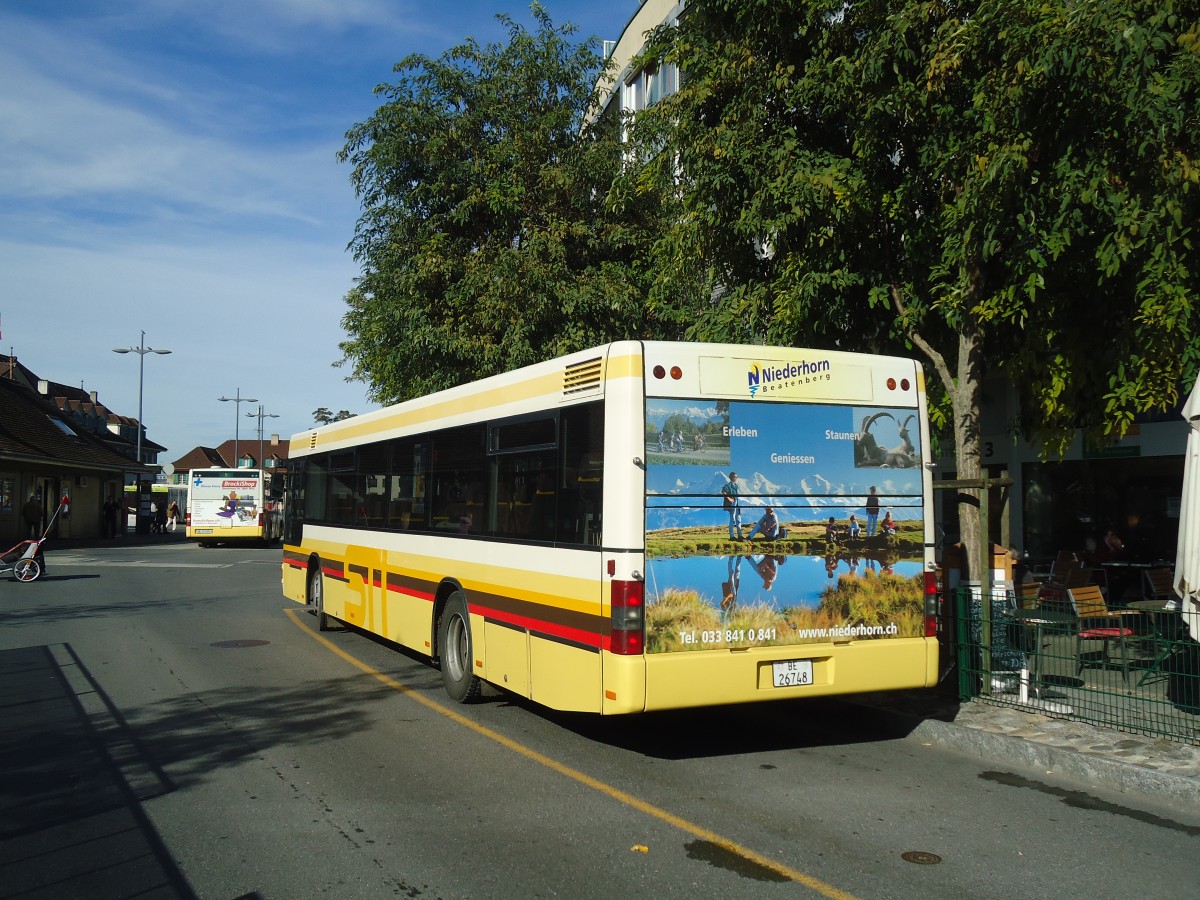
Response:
column 228, row 505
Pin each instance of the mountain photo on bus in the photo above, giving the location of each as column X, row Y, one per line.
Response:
column 834, row 571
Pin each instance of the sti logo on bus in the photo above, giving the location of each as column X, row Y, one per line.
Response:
column 779, row 374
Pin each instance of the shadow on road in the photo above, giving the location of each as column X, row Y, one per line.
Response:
column 74, row 769
column 72, row 826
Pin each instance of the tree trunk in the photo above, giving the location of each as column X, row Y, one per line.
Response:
column 965, row 399
column 965, row 387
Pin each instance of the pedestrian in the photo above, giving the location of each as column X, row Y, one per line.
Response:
column 172, row 515
column 111, row 510
column 160, row 517
column 32, row 513
column 732, row 503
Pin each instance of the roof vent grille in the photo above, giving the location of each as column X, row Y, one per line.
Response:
column 583, row 376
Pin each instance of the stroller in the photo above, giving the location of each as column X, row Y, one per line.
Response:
column 25, row 561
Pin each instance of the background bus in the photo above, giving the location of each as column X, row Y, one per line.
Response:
column 227, row 505
column 560, row 531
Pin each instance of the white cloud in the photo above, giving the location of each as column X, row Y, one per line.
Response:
column 171, row 167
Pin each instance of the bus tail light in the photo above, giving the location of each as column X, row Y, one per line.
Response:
column 187, row 519
column 261, row 518
column 931, row 604
column 628, row 618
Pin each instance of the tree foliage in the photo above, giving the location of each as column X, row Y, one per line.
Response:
column 485, row 242
column 1001, row 184
column 322, row 415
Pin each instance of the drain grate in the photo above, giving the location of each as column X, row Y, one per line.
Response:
column 237, row 645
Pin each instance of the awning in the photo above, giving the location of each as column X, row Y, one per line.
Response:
column 1187, row 556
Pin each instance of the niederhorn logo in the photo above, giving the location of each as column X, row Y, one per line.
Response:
column 779, row 374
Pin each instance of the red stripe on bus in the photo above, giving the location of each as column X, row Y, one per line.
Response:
column 589, row 638
column 410, row 592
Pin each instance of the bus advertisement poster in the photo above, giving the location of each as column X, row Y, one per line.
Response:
column 781, row 523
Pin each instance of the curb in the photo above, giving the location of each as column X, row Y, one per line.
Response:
column 1127, row 778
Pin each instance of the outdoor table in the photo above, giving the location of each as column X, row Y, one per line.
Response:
column 1124, row 573
column 1157, row 609
column 1039, row 619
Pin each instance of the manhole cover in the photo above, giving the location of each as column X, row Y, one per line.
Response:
column 235, row 645
column 921, row 858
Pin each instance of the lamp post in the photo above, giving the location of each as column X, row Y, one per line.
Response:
column 260, row 415
column 141, row 350
column 239, row 400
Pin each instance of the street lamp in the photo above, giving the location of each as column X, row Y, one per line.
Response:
column 141, row 350
column 239, row 400
column 260, row 415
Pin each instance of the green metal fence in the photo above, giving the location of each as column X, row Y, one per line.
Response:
column 1135, row 670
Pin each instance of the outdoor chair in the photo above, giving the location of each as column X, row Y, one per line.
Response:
column 1026, row 594
column 1064, row 561
column 1066, row 574
column 1096, row 622
column 1159, row 584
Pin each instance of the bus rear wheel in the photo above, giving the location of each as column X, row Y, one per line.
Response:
column 456, row 651
column 316, row 600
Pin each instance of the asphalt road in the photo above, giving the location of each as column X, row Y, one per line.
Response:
column 210, row 743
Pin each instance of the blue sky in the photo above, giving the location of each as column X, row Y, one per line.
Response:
column 169, row 166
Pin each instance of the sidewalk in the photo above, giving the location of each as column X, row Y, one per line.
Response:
column 73, row 824
column 1130, row 763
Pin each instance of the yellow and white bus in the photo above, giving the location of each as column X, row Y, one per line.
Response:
column 579, row 532
column 232, row 506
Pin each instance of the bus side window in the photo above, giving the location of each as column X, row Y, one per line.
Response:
column 343, row 501
column 372, row 482
column 293, row 508
column 458, row 463
column 543, row 513
column 406, row 489
column 316, row 486
column 522, row 502
column 583, row 469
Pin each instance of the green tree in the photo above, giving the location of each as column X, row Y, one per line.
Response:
column 1002, row 185
column 485, row 242
column 323, row 416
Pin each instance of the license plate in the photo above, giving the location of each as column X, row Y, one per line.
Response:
column 202, row 531
column 792, row 672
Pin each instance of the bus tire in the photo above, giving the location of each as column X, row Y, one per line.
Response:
column 456, row 651
column 316, row 600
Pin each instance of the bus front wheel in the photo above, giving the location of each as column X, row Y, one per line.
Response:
column 455, row 650
column 316, row 600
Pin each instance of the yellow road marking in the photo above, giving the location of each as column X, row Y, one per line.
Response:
column 608, row 790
